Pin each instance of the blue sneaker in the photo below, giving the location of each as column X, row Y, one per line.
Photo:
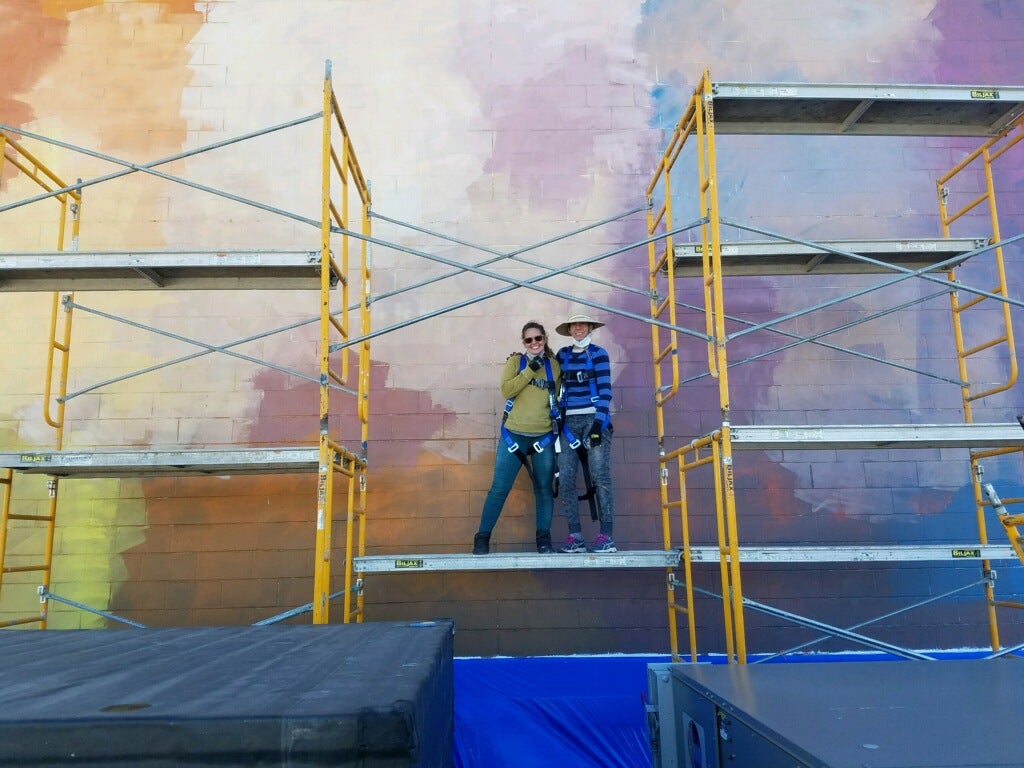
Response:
column 604, row 544
column 573, row 543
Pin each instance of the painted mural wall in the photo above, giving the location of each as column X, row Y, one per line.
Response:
column 498, row 125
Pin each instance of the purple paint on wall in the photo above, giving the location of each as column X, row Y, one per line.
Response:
column 981, row 42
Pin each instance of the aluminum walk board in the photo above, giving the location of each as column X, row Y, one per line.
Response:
column 168, row 270
column 167, row 462
column 840, row 553
column 778, row 257
column 868, row 436
column 864, row 109
column 863, row 553
column 510, row 561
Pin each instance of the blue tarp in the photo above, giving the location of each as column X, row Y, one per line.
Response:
column 570, row 712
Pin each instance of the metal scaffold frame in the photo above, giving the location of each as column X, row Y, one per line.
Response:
column 997, row 115
column 715, row 108
column 248, row 269
column 326, row 270
column 69, row 200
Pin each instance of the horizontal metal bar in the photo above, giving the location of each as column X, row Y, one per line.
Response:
column 171, row 270
column 45, row 594
column 513, row 561
column 871, row 436
column 165, row 462
column 796, row 553
column 781, row 257
column 864, row 109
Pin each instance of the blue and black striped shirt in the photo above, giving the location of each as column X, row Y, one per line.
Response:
column 587, row 381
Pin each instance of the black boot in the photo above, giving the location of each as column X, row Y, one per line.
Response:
column 544, row 542
column 482, row 544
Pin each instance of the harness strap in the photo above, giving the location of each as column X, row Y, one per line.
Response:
column 589, row 375
column 588, row 481
column 542, row 442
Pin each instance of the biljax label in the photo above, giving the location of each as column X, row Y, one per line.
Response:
column 408, row 563
column 966, row 553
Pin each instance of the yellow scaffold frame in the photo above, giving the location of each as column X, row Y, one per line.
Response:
column 698, row 120
column 716, row 449
column 70, row 203
column 984, row 156
column 344, row 215
column 340, row 163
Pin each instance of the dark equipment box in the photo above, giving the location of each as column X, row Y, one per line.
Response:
column 872, row 714
column 373, row 694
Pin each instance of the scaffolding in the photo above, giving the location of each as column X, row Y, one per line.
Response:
column 328, row 269
column 717, row 108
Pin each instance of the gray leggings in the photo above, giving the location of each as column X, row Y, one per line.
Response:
column 599, row 460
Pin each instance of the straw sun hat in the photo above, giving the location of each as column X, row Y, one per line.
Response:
column 577, row 317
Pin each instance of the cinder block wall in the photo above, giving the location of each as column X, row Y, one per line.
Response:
column 501, row 125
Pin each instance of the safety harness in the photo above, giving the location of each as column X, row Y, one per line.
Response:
column 575, row 443
column 541, row 443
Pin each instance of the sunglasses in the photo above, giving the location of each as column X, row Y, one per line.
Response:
column 532, row 339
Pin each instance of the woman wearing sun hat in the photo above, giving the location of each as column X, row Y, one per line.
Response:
column 586, row 402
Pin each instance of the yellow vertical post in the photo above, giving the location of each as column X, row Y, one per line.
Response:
column 7, row 481
column 346, row 154
column 729, row 545
column 324, row 493
column 363, row 389
column 350, row 527
column 685, row 555
column 687, row 558
column 334, row 458
column 670, row 581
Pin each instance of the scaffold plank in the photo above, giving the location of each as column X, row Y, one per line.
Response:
column 864, row 109
column 863, row 553
column 510, row 561
column 164, row 462
column 779, row 257
column 154, row 270
column 869, row 436
column 795, row 553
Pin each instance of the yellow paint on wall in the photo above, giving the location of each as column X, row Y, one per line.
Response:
column 112, row 84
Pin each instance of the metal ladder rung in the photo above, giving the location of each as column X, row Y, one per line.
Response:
column 977, row 300
column 665, row 352
column 661, row 263
column 1006, row 604
column 25, row 568
column 982, row 347
column 38, row 518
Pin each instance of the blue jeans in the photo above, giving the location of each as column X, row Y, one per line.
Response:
column 506, row 469
column 599, row 462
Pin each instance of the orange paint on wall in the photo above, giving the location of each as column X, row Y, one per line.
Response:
column 63, row 8
column 30, row 39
